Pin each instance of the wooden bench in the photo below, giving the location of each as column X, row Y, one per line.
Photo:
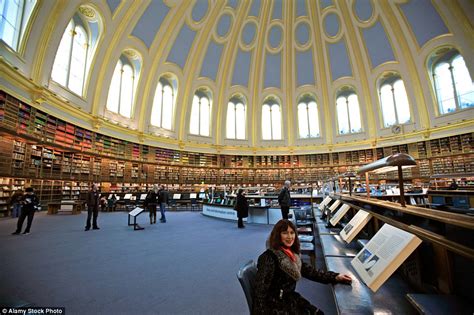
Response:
column 65, row 206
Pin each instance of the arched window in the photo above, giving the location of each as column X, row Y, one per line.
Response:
column 236, row 119
column 69, row 67
column 271, row 120
column 394, row 102
column 76, row 50
column 163, row 103
column 199, row 123
column 14, row 18
column 308, row 119
column 453, row 84
column 348, row 113
column 122, row 88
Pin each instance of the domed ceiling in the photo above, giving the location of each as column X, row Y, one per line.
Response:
column 260, row 51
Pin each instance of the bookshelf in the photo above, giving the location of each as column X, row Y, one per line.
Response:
column 39, row 147
column 6, row 192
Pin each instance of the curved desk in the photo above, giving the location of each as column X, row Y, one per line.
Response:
column 257, row 214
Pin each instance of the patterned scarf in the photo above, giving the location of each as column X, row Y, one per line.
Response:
column 287, row 265
column 289, row 253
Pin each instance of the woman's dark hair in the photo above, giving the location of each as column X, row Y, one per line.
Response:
column 240, row 191
column 275, row 235
column 29, row 189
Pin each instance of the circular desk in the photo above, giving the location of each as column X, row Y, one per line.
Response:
column 257, row 214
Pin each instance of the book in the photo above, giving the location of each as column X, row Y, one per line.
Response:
column 334, row 206
column 383, row 254
column 324, row 202
column 355, row 225
column 339, row 214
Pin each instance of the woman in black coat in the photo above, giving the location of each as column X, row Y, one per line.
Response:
column 242, row 207
column 151, row 202
column 279, row 269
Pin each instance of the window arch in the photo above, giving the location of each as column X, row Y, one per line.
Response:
column 271, row 120
column 236, row 119
column 199, row 123
column 308, row 118
column 72, row 61
column 394, row 102
column 453, row 83
column 14, row 18
column 122, row 87
column 348, row 113
column 163, row 105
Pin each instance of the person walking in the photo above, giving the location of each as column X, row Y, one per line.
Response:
column 29, row 202
column 163, row 199
column 151, row 202
column 284, row 199
column 242, row 207
column 93, row 202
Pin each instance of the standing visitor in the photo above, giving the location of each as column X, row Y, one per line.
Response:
column 29, row 202
column 284, row 200
column 15, row 203
column 163, row 198
column 242, row 207
column 151, row 202
column 93, row 201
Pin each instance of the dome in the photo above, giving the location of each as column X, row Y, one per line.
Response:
column 248, row 77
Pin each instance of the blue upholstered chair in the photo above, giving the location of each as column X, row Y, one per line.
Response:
column 246, row 276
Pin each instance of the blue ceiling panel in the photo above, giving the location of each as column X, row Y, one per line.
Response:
column 378, row 45
column 340, row 66
column 331, row 24
column 200, row 10
column 300, row 7
column 150, row 22
column 424, row 20
column 304, row 68
column 302, row 33
column 363, row 9
column 255, row 8
column 113, row 5
column 273, row 70
column 277, row 9
column 248, row 33
column 224, row 24
column 325, row 3
column 242, row 68
column 233, row 3
column 210, row 65
column 274, row 36
column 182, row 45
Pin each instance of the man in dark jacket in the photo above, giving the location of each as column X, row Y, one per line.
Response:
column 29, row 203
column 163, row 198
column 151, row 201
column 242, row 208
column 284, row 199
column 93, row 201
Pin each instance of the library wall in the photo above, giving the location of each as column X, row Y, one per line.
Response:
column 60, row 160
